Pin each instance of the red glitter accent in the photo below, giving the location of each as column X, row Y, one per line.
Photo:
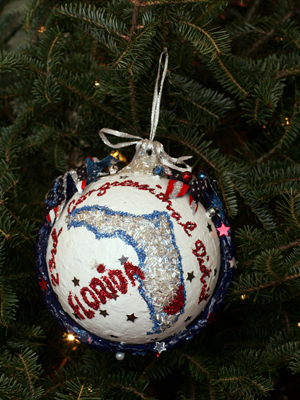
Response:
column 176, row 215
column 187, row 176
column 132, row 270
column 177, row 303
column 94, row 304
column 188, row 226
column 211, row 318
column 200, row 252
column 88, row 313
column 122, row 284
column 43, row 284
column 74, row 307
column 52, row 262
column 54, row 279
column 101, row 268
column 100, row 293
column 104, row 293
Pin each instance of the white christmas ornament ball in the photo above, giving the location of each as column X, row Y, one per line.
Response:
column 130, row 264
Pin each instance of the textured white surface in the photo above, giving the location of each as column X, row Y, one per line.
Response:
column 79, row 253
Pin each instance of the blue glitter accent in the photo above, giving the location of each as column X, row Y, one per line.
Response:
column 95, row 167
column 159, row 170
column 155, row 217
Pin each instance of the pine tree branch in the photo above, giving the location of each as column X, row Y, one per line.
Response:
column 130, row 389
column 266, row 285
column 133, row 29
column 227, row 72
column 268, row 34
column 204, row 33
column 92, row 101
column 278, row 145
column 163, row 2
column 27, row 373
column 252, row 10
column 293, row 213
column 193, row 361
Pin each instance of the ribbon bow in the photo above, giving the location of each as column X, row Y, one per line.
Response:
column 157, row 147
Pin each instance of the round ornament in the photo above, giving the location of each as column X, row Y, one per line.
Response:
column 136, row 260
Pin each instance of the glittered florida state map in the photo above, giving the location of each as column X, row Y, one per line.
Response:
column 159, row 272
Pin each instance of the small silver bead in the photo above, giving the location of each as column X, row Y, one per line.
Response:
column 113, row 169
column 120, row 356
column 211, row 212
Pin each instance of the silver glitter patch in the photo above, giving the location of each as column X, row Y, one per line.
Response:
column 152, row 234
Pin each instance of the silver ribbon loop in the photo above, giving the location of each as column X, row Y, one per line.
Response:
column 119, row 134
column 158, row 148
column 157, row 96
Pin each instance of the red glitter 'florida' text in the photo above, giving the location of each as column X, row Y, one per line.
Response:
column 104, row 288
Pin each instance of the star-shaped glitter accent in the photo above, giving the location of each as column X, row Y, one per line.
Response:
column 233, row 263
column 211, row 318
column 190, row 276
column 131, row 317
column 43, row 284
column 160, row 346
column 104, row 313
column 123, row 259
column 209, row 227
column 188, row 319
column 223, row 230
column 75, row 281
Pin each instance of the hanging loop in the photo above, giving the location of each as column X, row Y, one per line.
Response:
column 163, row 157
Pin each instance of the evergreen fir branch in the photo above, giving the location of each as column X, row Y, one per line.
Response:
column 128, row 386
column 146, row 3
column 213, row 41
column 211, row 11
column 95, row 17
column 199, row 366
column 77, row 391
column 263, row 39
column 14, row 62
column 128, row 59
column 10, row 389
column 291, row 32
column 262, row 103
column 227, row 78
column 294, row 364
column 103, row 37
column 255, row 283
column 289, row 134
column 228, row 193
column 75, row 85
column 8, row 305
